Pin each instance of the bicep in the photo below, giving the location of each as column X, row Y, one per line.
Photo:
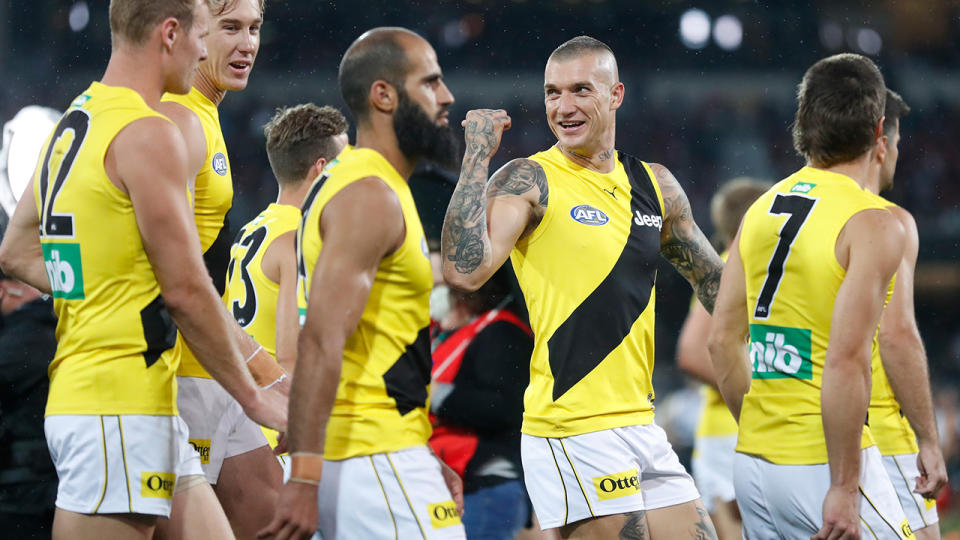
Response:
column 899, row 316
column 516, row 200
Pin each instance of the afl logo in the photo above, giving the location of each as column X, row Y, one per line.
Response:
column 588, row 215
column 219, row 164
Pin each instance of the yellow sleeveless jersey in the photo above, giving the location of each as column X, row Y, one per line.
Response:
column 252, row 296
column 715, row 417
column 787, row 244
column 213, row 197
column 382, row 395
column 890, row 429
column 116, row 343
column 587, row 273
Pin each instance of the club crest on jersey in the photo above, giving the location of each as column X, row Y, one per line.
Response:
column 219, row 164
column 588, row 215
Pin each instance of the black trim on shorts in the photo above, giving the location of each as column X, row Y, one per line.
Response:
column 907, row 483
column 103, row 438
column 396, row 531
column 405, row 496
column 577, row 477
column 882, row 517
column 566, row 504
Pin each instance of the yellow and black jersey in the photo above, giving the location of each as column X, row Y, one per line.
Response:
column 382, row 395
column 212, row 199
column 116, row 344
column 587, row 273
column 787, row 244
column 890, row 429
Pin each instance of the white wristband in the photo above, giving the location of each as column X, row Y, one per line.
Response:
column 276, row 382
column 254, row 353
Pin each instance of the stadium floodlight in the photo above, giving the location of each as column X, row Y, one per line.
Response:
column 23, row 138
column 695, row 28
column 79, row 16
column 728, row 32
column 869, row 41
column 831, row 35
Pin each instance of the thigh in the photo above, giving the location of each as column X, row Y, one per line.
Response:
column 712, row 468
column 115, row 464
column 680, row 521
column 395, row 495
column 903, row 472
column 880, row 512
column 749, row 485
column 663, row 479
column 496, row 512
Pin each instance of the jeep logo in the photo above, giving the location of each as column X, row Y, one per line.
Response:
column 617, row 485
column 777, row 352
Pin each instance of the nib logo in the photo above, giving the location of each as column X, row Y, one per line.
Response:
column 64, row 270
column 778, row 352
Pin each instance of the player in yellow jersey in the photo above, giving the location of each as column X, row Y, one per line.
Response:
column 235, row 455
column 360, row 464
column 584, row 226
column 262, row 275
column 108, row 231
column 716, row 435
column 805, row 282
column 900, row 396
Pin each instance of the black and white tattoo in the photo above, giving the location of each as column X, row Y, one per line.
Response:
column 465, row 240
column 684, row 244
column 703, row 528
column 636, row 527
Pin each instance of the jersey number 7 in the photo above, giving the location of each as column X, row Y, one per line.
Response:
column 798, row 207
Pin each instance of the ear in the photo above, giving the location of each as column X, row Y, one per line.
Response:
column 318, row 166
column 616, row 95
column 170, row 29
column 880, row 141
column 383, row 97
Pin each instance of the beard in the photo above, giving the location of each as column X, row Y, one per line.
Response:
column 420, row 137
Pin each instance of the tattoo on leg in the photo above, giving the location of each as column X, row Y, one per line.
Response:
column 636, row 527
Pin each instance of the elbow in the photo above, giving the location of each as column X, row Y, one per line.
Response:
column 11, row 262
column 462, row 282
column 182, row 298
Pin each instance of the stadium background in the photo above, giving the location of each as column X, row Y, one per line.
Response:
column 710, row 94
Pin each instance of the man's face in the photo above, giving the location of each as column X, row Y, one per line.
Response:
column 421, row 120
column 580, row 101
column 889, row 166
column 189, row 50
column 233, row 44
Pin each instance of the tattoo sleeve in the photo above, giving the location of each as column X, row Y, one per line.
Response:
column 465, row 239
column 684, row 244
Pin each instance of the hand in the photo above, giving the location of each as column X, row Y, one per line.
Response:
column 841, row 515
column 268, row 408
column 296, row 514
column 281, row 447
column 933, row 473
column 483, row 129
column 454, row 484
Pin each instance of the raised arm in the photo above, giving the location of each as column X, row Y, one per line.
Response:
column 871, row 243
column 20, row 254
column 683, row 243
column 905, row 362
column 729, row 330
column 148, row 161
column 484, row 221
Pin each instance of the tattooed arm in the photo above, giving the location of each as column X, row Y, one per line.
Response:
column 683, row 244
column 484, row 221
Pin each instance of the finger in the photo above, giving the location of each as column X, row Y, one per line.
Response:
column 288, row 532
column 507, row 123
column 270, row 529
column 821, row 534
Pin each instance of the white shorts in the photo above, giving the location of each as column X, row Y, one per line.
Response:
column 903, row 472
column 607, row 472
column 387, row 496
column 125, row 464
column 712, row 467
column 219, row 429
column 786, row 501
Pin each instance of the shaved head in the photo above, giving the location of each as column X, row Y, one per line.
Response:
column 378, row 54
column 585, row 45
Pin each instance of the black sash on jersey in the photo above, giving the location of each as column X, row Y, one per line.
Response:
column 406, row 381
column 601, row 322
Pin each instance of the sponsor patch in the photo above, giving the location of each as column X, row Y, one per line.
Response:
column 777, row 352
column 202, row 446
column 64, row 270
column 588, row 215
column 647, row 220
column 157, row 485
column 614, row 486
column 219, row 164
column 906, row 530
column 443, row 514
column 802, row 187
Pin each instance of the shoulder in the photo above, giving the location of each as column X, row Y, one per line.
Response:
column 370, row 196
column 150, row 134
column 181, row 115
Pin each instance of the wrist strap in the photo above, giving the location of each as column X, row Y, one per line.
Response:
column 306, row 466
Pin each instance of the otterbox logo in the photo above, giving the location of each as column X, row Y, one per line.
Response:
column 157, row 484
column 617, row 485
column 907, row 531
column 202, row 446
column 443, row 514
column 777, row 352
column 64, row 270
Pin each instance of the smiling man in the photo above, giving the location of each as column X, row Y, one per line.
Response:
column 234, row 452
column 584, row 225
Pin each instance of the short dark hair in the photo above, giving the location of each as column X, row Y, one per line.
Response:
column 131, row 21
column 219, row 7
column 839, row 103
column 376, row 55
column 298, row 136
column 578, row 46
column 731, row 202
column 895, row 109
